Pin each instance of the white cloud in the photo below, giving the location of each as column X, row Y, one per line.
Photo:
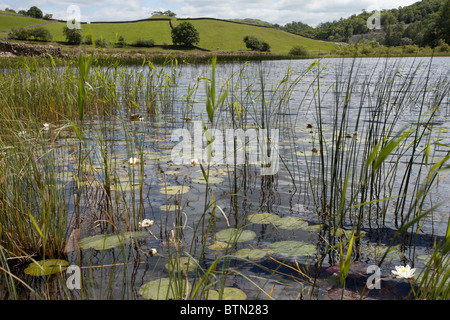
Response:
column 276, row 11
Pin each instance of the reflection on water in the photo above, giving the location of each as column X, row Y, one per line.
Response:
column 109, row 195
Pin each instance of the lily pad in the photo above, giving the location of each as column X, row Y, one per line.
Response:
column 293, row 248
column 314, row 228
column 376, row 252
column 211, row 180
column 172, row 190
column 218, row 245
column 291, row 223
column 183, row 264
column 243, row 253
column 229, row 293
column 263, row 218
column 46, row 267
column 162, row 289
column 253, row 254
column 235, row 235
column 103, row 242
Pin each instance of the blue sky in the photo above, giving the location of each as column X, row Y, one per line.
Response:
column 311, row 12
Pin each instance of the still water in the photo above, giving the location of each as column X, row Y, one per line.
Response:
column 324, row 115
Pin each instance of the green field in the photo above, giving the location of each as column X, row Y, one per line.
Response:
column 215, row 35
column 10, row 21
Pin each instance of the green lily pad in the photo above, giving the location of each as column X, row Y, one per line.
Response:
column 163, row 289
column 103, row 242
column 46, row 267
column 253, row 254
column 211, row 180
column 376, row 252
column 235, row 235
column 218, row 245
column 183, row 264
column 172, row 190
column 314, row 228
column 258, row 254
column 293, row 248
column 263, row 218
column 291, row 223
column 243, row 253
column 228, row 294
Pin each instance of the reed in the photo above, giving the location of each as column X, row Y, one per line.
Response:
column 371, row 166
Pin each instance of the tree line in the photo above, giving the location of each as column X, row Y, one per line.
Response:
column 424, row 23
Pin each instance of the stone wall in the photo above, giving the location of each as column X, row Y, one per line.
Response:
column 19, row 49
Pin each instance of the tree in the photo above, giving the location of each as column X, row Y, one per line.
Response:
column 298, row 51
column 41, row 34
column 443, row 23
column 185, row 34
column 252, row 43
column 35, row 12
column 73, row 36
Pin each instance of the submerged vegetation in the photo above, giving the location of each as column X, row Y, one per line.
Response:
column 88, row 179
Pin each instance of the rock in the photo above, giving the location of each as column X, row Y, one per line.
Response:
column 20, row 49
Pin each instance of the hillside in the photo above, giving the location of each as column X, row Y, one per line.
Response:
column 417, row 24
column 215, row 35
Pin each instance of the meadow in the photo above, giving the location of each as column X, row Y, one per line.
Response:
column 90, row 185
column 215, row 35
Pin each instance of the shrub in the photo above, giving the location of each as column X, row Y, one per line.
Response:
column 101, row 43
column 444, row 47
column 264, row 46
column 87, row 39
column 120, row 42
column 147, row 43
column 73, row 36
column 19, row 34
column 41, row 34
column 410, row 49
column 252, row 43
column 298, row 51
column 185, row 34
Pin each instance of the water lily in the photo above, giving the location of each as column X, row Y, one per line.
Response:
column 153, row 251
column 46, row 126
column 404, row 272
column 146, row 223
column 133, row 161
column 194, row 162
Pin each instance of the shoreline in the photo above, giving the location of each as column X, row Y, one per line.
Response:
column 160, row 54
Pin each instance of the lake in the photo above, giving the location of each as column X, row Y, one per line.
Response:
column 258, row 177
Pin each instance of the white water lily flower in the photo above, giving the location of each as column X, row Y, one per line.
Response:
column 404, row 272
column 146, row 223
column 194, row 162
column 153, row 251
column 133, row 160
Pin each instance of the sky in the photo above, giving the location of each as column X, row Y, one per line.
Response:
column 311, row 12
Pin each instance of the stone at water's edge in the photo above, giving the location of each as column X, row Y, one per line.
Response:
column 20, row 49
